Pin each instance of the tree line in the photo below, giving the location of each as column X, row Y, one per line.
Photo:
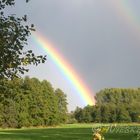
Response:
column 112, row 105
column 31, row 102
column 26, row 102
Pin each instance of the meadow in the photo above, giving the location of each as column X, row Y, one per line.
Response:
column 71, row 132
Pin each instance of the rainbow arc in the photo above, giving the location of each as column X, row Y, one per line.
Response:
column 84, row 92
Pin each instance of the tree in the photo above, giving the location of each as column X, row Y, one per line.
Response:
column 134, row 111
column 78, row 114
column 13, row 37
column 97, row 114
column 62, row 105
column 123, row 114
column 50, row 111
column 87, row 114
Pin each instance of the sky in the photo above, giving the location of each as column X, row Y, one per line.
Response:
column 99, row 38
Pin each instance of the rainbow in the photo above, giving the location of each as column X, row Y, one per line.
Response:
column 126, row 12
column 66, row 68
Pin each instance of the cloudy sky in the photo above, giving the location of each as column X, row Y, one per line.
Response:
column 99, row 38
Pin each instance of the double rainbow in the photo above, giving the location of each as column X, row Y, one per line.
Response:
column 124, row 9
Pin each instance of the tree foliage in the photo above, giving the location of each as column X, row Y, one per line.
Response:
column 14, row 33
column 30, row 102
column 113, row 105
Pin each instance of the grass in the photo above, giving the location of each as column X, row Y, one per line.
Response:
column 70, row 132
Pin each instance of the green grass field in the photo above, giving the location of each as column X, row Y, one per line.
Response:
column 70, row 132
